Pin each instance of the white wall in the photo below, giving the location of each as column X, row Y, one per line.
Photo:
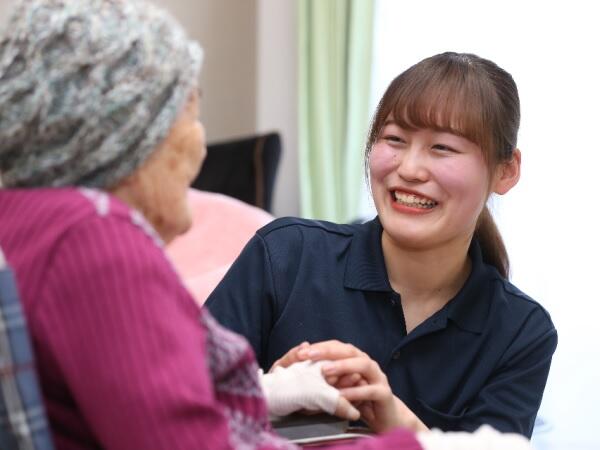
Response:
column 250, row 76
column 226, row 29
column 277, row 100
column 249, row 79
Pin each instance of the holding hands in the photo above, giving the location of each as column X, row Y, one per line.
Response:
column 301, row 386
column 359, row 380
column 360, row 383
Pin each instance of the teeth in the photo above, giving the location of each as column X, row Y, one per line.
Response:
column 413, row 200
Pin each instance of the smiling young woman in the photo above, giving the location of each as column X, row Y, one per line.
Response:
column 419, row 296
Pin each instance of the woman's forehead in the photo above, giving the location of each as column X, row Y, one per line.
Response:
column 436, row 131
column 433, row 122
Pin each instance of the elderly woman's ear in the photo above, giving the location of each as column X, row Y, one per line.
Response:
column 158, row 187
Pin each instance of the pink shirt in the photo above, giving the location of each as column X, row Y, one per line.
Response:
column 126, row 358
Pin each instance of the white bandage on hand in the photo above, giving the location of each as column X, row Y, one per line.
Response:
column 300, row 386
column 485, row 438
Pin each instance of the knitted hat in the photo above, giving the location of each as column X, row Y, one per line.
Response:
column 88, row 89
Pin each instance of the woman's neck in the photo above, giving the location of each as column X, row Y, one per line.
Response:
column 426, row 279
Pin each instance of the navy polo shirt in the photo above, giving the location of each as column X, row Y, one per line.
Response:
column 483, row 358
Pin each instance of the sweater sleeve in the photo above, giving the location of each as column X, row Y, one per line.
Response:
column 245, row 300
column 398, row 440
column 126, row 338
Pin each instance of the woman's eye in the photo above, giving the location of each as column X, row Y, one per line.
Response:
column 393, row 138
column 444, row 148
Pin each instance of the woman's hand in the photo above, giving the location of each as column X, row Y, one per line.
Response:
column 290, row 357
column 304, row 352
column 360, row 381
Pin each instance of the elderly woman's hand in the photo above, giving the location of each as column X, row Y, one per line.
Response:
column 360, row 381
column 302, row 387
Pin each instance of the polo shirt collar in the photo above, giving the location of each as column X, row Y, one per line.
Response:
column 469, row 309
column 366, row 271
column 365, row 266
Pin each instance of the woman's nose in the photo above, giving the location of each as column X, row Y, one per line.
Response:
column 412, row 165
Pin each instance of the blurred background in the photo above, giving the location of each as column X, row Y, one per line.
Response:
column 313, row 71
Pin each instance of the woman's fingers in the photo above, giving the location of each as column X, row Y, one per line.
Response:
column 347, row 380
column 368, row 392
column 290, row 357
column 330, row 350
column 361, row 365
column 366, row 412
column 332, row 380
column 346, row 410
column 316, row 352
column 377, row 408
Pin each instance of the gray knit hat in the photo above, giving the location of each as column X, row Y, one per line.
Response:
column 88, row 89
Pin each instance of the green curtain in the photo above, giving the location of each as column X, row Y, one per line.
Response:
column 335, row 50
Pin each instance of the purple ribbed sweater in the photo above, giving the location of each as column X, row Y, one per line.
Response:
column 126, row 359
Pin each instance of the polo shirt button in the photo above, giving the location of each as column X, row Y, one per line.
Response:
column 396, row 355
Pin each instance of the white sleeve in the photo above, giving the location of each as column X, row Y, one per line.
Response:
column 300, row 386
column 484, row 438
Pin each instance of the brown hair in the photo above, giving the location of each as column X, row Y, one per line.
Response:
column 468, row 96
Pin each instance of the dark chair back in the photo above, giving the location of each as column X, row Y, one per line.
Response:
column 23, row 423
column 242, row 168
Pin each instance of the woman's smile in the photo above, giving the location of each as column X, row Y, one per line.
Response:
column 412, row 202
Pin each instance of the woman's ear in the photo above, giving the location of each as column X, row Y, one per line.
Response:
column 507, row 174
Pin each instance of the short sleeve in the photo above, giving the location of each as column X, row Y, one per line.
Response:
column 510, row 399
column 245, row 300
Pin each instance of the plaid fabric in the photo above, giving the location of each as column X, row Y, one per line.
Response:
column 23, row 423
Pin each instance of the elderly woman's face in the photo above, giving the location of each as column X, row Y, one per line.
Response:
column 159, row 187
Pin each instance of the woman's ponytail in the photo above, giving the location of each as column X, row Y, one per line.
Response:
column 491, row 242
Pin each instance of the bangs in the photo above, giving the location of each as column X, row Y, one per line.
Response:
column 442, row 108
column 443, row 97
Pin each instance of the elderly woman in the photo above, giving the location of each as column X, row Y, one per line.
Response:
column 99, row 141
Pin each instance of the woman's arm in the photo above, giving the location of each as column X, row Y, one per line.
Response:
column 245, row 301
column 510, row 399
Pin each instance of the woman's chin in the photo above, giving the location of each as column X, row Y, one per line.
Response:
column 185, row 227
column 182, row 227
